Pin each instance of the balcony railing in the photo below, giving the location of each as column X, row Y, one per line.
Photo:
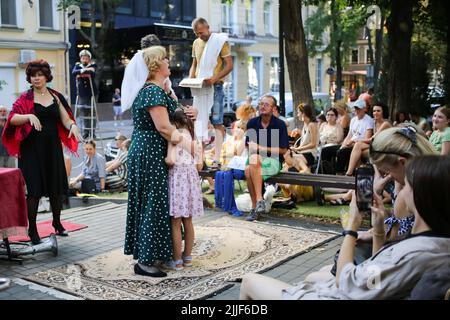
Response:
column 239, row 30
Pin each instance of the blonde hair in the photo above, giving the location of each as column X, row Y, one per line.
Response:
column 153, row 57
column 389, row 144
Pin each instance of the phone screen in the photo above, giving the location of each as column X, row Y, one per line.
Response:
column 364, row 188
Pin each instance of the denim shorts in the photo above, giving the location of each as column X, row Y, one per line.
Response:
column 217, row 108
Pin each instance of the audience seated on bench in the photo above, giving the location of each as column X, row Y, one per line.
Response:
column 305, row 149
column 116, row 170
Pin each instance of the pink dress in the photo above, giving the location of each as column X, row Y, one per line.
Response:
column 185, row 196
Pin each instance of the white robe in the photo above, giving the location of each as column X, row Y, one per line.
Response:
column 204, row 97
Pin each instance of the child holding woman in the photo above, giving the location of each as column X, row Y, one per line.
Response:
column 185, row 197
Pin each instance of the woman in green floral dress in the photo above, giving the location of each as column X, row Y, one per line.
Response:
column 148, row 232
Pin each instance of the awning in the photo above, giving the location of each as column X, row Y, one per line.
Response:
column 172, row 25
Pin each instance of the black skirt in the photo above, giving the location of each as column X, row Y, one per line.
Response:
column 42, row 160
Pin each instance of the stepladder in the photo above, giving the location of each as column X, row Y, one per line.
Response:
column 86, row 111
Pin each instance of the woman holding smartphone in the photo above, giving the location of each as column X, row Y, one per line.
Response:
column 397, row 267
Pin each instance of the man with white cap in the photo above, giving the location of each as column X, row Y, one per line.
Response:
column 361, row 127
column 84, row 71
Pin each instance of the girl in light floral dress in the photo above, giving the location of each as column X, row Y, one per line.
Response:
column 185, row 197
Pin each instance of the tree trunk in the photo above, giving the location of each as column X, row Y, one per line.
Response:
column 399, row 75
column 107, row 11
column 296, row 54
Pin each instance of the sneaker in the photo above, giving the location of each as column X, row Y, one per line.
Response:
column 252, row 216
column 261, row 207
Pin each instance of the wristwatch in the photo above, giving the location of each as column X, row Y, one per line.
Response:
column 351, row 233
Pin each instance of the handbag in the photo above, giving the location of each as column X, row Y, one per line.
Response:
column 88, row 186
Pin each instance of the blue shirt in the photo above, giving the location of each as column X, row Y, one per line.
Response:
column 94, row 169
column 274, row 136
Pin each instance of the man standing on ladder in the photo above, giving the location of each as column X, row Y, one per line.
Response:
column 86, row 93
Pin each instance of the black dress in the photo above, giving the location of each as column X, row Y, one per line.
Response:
column 42, row 160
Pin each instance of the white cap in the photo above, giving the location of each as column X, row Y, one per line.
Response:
column 360, row 104
column 85, row 53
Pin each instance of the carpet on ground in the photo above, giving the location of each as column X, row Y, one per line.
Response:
column 225, row 249
column 45, row 228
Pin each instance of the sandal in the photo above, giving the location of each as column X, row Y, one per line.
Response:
column 215, row 165
column 187, row 261
column 209, row 191
column 172, row 265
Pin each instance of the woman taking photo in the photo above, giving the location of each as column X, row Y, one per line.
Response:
column 39, row 121
column 397, row 266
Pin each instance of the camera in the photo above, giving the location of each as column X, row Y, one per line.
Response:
column 364, row 187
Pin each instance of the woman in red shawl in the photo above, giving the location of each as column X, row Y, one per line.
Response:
column 39, row 122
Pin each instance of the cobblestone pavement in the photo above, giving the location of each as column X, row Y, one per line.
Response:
column 105, row 232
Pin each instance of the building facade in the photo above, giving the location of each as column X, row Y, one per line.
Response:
column 252, row 27
column 170, row 20
column 253, row 32
column 30, row 30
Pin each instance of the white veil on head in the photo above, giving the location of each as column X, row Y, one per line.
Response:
column 136, row 73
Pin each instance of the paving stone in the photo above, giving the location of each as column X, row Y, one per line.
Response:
column 105, row 232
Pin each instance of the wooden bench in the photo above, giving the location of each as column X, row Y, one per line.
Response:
column 315, row 180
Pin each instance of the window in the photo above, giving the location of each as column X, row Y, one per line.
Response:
column 174, row 7
column 319, row 72
column 367, row 56
column 274, row 81
column 158, row 9
column 226, row 17
column 229, row 86
column 46, row 14
column 267, row 18
column 8, row 13
column 188, row 10
column 254, row 88
column 355, row 54
column 250, row 16
column 126, row 7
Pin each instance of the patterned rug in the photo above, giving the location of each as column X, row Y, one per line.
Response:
column 225, row 249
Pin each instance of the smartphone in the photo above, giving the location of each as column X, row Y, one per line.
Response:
column 364, row 187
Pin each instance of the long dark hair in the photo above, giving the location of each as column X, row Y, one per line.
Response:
column 429, row 177
column 180, row 120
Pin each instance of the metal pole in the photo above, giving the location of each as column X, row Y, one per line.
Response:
column 281, row 59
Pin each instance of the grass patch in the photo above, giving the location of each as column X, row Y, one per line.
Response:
column 309, row 209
